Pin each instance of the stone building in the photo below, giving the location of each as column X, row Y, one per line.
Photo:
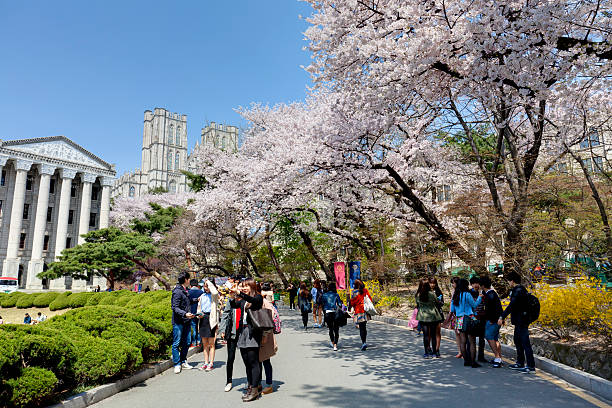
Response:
column 165, row 153
column 51, row 192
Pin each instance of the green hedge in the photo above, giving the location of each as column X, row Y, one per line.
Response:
column 25, row 301
column 85, row 346
column 11, row 299
column 45, row 299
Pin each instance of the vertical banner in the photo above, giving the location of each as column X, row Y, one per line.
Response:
column 354, row 272
column 340, row 275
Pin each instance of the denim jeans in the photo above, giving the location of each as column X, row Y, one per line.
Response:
column 194, row 333
column 523, row 346
column 180, row 334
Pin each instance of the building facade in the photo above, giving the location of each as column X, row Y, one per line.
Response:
column 165, row 153
column 52, row 191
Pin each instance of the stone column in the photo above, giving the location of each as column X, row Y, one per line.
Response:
column 62, row 221
column 35, row 266
column 106, row 182
column 88, row 180
column 11, row 263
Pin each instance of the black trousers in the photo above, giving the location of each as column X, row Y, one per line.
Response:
column 305, row 318
column 523, row 346
column 250, row 357
column 267, row 367
column 363, row 331
column 334, row 329
column 429, row 336
column 232, row 345
column 291, row 302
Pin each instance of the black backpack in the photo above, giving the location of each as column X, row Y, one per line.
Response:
column 532, row 308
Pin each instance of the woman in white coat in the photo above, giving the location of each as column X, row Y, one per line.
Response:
column 208, row 313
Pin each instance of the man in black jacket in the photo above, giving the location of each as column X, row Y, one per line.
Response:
column 493, row 310
column 520, row 320
column 181, row 323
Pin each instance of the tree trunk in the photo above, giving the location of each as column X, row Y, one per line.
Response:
column 308, row 242
column 280, row 273
column 110, row 280
column 252, row 262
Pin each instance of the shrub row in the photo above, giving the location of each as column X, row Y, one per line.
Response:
column 86, row 346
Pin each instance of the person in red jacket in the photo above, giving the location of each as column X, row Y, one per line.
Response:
column 357, row 297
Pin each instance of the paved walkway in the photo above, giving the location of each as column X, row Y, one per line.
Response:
column 391, row 373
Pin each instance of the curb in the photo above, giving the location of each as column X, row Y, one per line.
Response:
column 589, row 382
column 97, row 394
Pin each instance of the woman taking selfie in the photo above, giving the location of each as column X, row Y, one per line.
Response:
column 249, row 337
column 208, row 319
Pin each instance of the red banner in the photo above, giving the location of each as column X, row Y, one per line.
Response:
column 340, row 275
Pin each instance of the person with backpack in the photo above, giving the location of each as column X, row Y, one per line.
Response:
column 292, row 295
column 358, row 298
column 463, row 305
column 435, row 288
column 519, row 309
column 480, row 316
column 331, row 302
column 429, row 316
column 304, row 304
column 317, row 303
column 493, row 310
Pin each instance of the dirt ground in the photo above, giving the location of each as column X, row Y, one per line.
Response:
column 14, row 315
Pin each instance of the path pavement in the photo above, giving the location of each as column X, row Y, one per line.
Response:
column 391, row 373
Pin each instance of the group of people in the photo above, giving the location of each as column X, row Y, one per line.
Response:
column 327, row 308
column 476, row 312
column 201, row 310
column 28, row 319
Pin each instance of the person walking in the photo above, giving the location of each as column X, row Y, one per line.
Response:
column 194, row 294
column 249, row 338
column 518, row 308
column 181, row 323
column 480, row 316
column 358, row 296
column 228, row 327
column 331, row 302
column 317, row 305
column 292, row 294
column 453, row 320
column 267, row 350
column 435, row 289
column 305, row 303
column 493, row 310
column 429, row 316
column 267, row 292
column 463, row 305
column 208, row 318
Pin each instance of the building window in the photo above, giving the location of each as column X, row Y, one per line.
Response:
column 70, row 216
column 587, row 164
column 172, row 186
column 591, row 140
column 52, row 186
column 169, row 161
column 171, row 135
column 176, row 161
column 597, row 164
column 95, row 190
column 73, row 190
column 68, row 242
column 92, row 219
column 29, row 182
column 22, row 240
column 26, row 211
column 132, row 191
column 443, row 193
column 46, row 243
column 49, row 214
column 3, row 179
column 178, row 136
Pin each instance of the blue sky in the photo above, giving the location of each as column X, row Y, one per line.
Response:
column 89, row 69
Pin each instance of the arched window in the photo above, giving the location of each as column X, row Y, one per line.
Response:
column 172, row 186
column 171, row 135
column 169, row 160
column 178, row 136
column 132, row 191
column 176, row 161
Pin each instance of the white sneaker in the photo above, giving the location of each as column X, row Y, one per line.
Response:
column 335, row 348
column 177, row 369
column 186, row 366
column 228, row 387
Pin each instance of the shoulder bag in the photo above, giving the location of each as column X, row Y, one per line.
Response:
column 261, row 319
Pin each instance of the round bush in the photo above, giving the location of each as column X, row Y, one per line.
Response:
column 78, row 299
column 45, row 299
column 11, row 299
column 25, row 301
column 95, row 298
column 60, row 302
column 32, row 387
column 123, row 300
column 100, row 360
column 110, row 298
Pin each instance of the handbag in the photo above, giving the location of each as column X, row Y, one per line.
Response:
column 368, row 306
column 340, row 317
column 261, row 319
column 470, row 324
column 306, row 307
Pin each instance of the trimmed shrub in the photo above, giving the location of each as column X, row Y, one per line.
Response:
column 110, row 298
column 95, row 298
column 123, row 299
column 60, row 302
column 25, row 301
column 9, row 357
column 45, row 299
column 78, row 299
column 100, row 360
column 11, row 299
column 34, row 386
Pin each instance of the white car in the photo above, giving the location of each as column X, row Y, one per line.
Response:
column 8, row 284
